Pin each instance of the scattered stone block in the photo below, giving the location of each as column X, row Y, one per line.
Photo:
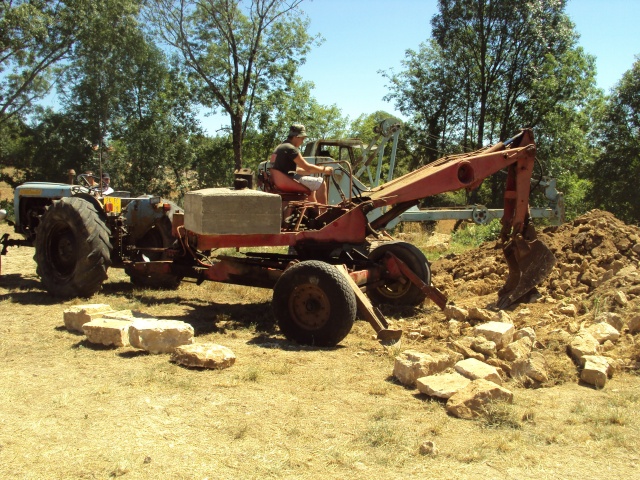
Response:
column 568, row 310
column 525, row 332
column 465, row 350
column 472, row 401
column 516, row 350
column 411, row 365
column 455, row 313
column 603, row 331
column 612, row 319
column 620, row 298
column 499, row 332
column 75, row 317
column 429, row 448
column 596, row 370
column 204, row 355
column 533, row 368
column 481, row 315
column 634, row 324
column 583, row 344
column 473, row 369
column 159, row 336
column 504, row 317
column 484, row 346
column 443, row 385
column 108, row 332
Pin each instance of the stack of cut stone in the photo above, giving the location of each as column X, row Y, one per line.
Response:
column 102, row 325
column 471, row 373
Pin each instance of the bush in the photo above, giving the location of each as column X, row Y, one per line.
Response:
column 473, row 235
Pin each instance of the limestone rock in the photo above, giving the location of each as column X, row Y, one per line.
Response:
column 533, row 368
column 106, row 331
column 429, row 448
column 484, row 346
column 499, row 332
column 159, row 336
column 471, row 401
column 634, row 324
column 620, row 298
column 75, row 317
column 525, row 332
column 481, row 315
column 465, row 350
column 583, row 344
column 204, row 355
column 516, row 350
column 455, row 313
column 411, row 365
column 603, row 331
column 443, row 385
column 568, row 310
column 596, row 370
column 473, row 369
column 612, row 319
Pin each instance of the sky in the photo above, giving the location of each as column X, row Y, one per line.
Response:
column 364, row 37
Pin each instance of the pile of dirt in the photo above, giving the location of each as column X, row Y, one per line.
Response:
column 596, row 255
column 596, row 275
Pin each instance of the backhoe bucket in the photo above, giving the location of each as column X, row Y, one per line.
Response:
column 387, row 336
column 530, row 262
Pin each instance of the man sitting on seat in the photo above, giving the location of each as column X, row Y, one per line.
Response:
column 106, row 187
column 288, row 159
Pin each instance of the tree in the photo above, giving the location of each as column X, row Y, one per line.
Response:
column 616, row 172
column 35, row 36
column 492, row 67
column 123, row 94
column 237, row 52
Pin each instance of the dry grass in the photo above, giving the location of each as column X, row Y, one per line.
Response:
column 73, row 410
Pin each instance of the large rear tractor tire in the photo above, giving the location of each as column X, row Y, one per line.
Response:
column 158, row 236
column 394, row 292
column 314, row 304
column 72, row 249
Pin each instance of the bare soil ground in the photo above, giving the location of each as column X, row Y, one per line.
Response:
column 73, row 410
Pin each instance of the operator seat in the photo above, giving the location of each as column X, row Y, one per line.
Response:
column 287, row 186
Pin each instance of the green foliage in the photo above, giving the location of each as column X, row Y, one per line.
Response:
column 616, row 172
column 237, row 52
column 490, row 68
column 34, row 37
column 472, row 235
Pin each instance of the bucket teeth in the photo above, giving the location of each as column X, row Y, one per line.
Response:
column 530, row 262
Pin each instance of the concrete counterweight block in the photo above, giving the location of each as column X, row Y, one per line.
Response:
column 222, row 211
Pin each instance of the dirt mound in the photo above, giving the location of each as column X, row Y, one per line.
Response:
column 596, row 254
column 595, row 279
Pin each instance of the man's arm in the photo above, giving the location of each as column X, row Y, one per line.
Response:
column 304, row 167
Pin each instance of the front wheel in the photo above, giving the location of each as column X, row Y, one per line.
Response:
column 397, row 292
column 314, row 304
column 72, row 249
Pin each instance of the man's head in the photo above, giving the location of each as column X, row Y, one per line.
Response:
column 106, row 178
column 297, row 134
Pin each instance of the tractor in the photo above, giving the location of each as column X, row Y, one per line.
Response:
column 333, row 261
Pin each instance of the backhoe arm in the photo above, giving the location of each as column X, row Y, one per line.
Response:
column 529, row 260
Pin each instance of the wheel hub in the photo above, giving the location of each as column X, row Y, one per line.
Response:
column 309, row 306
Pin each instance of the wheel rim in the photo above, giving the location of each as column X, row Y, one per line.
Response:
column 394, row 289
column 62, row 251
column 309, row 307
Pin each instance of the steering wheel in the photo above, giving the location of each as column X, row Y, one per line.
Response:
column 83, row 180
